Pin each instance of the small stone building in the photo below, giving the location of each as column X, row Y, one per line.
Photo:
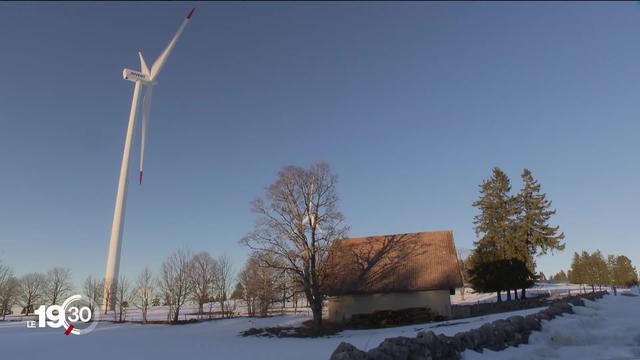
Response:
column 392, row 272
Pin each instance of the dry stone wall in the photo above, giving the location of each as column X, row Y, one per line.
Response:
column 496, row 336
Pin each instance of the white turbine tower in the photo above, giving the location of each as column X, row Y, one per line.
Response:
column 144, row 77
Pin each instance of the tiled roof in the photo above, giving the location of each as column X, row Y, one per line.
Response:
column 393, row 263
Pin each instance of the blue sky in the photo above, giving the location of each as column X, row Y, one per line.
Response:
column 412, row 104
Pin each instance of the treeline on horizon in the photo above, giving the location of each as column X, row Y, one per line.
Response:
column 596, row 270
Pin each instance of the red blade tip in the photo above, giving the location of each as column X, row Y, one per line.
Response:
column 69, row 330
column 140, row 177
column 191, row 13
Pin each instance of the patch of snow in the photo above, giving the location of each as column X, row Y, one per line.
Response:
column 606, row 329
column 551, row 288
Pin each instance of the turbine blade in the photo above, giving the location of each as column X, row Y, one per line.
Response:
column 146, row 109
column 143, row 64
column 157, row 65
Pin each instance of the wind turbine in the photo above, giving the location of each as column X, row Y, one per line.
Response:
column 147, row 78
column 310, row 216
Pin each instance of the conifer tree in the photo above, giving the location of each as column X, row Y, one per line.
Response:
column 534, row 213
column 495, row 219
column 576, row 274
column 601, row 269
column 622, row 272
column 509, row 274
column 514, row 228
column 589, row 270
column 534, row 234
column 560, row 277
column 495, row 224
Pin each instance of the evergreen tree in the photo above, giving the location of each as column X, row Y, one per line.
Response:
column 533, row 229
column 482, row 276
column 502, row 274
column 622, row 272
column 560, row 277
column 577, row 274
column 601, row 269
column 514, row 228
column 238, row 292
column 519, row 276
column 495, row 221
column 495, row 224
column 486, row 277
column 589, row 269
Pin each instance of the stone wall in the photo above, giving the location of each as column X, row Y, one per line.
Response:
column 496, row 335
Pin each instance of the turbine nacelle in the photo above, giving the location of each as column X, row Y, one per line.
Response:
column 134, row 76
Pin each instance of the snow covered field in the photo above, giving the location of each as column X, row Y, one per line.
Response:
column 545, row 287
column 606, row 329
column 214, row 339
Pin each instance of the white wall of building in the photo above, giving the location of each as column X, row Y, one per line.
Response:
column 341, row 308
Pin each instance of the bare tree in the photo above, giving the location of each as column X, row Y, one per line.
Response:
column 298, row 290
column 32, row 290
column 293, row 288
column 223, row 280
column 261, row 285
column 92, row 288
column 122, row 297
column 298, row 222
column 58, row 284
column 175, row 281
column 8, row 290
column 249, row 291
column 203, row 275
column 463, row 255
column 8, row 295
column 5, row 273
column 145, row 288
column 285, row 289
